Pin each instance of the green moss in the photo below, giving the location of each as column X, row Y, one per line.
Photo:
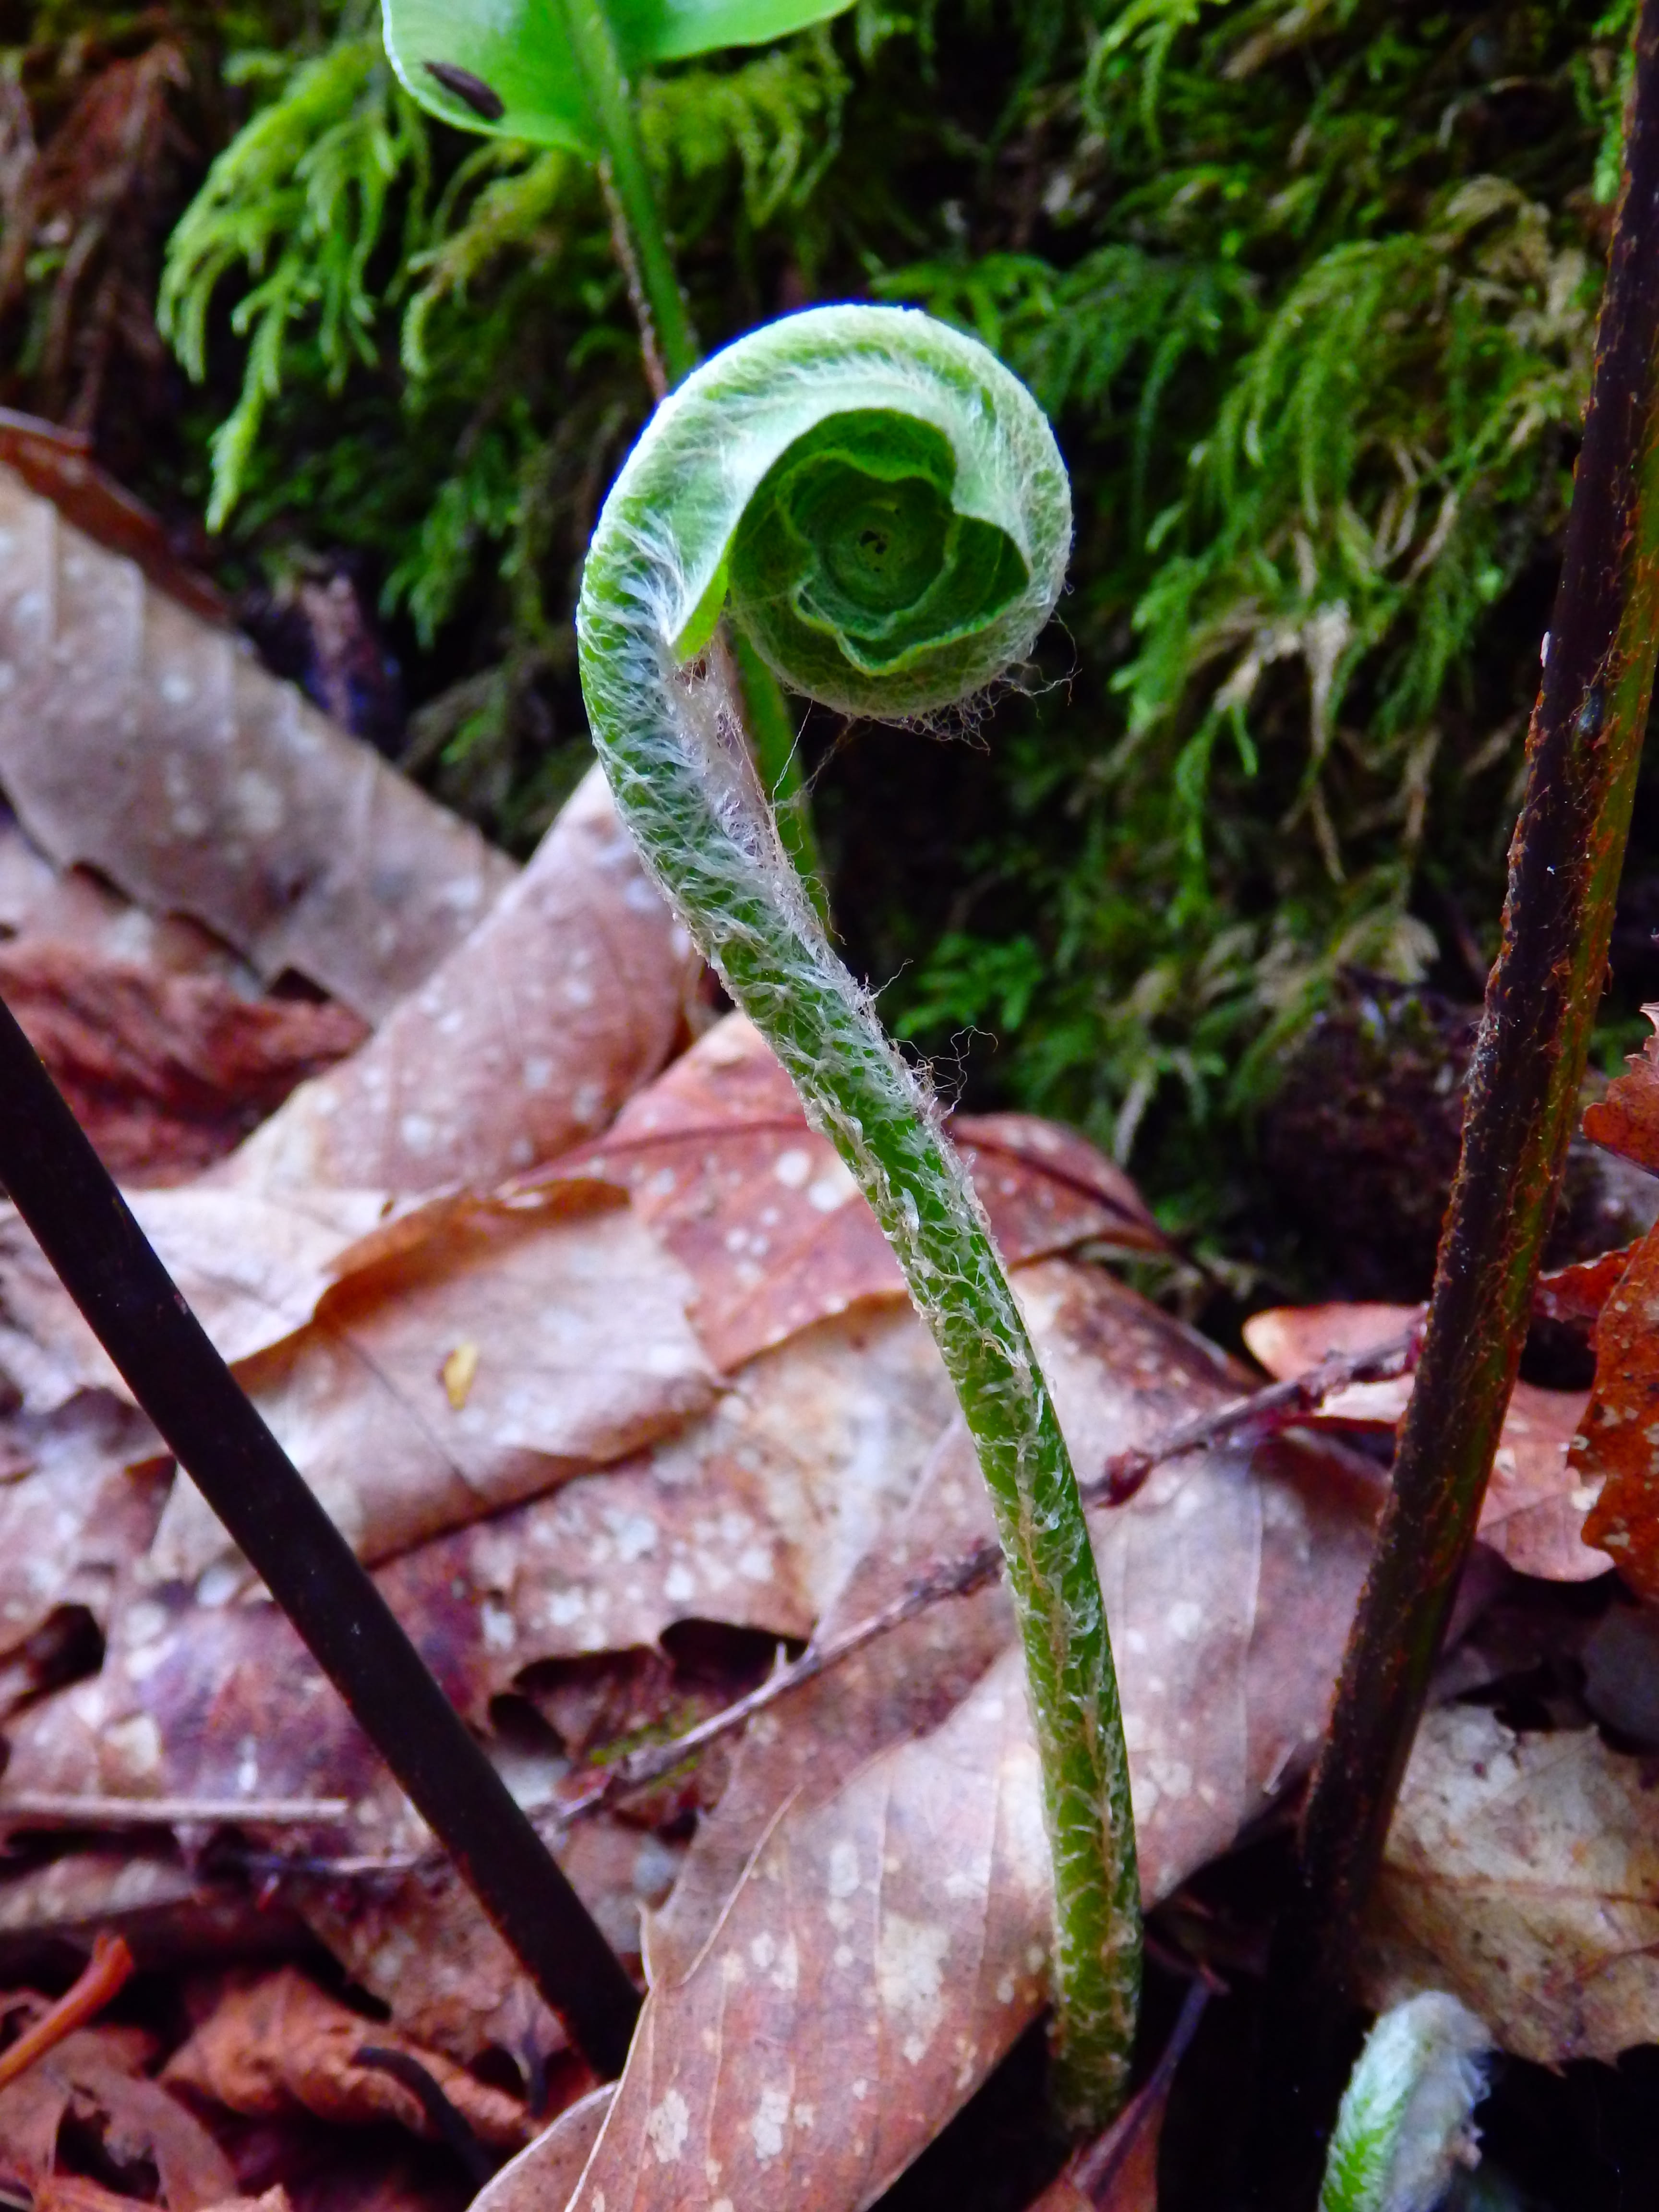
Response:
column 1309, row 292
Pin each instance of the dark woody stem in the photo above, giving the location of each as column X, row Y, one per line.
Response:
column 64, row 1193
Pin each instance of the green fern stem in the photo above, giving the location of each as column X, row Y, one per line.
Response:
column 670, row 348
column 665, row 326
column 885, row 507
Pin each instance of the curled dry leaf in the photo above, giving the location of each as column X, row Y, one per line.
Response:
column 568, row 996
column 1522, row 1874
column 767, row 1220
column 861, row 1928
column 166, row 1073
column 144, row 741
column 1537, row 1498
column 280, row 2045
column 57, row 462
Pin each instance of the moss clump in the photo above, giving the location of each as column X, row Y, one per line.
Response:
column 1309, row 292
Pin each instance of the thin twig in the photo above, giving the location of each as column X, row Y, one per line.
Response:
column 42, row 1808
column 64, row 1193
column 105, row 1973
column 1278, row 1403
column 1582, row 752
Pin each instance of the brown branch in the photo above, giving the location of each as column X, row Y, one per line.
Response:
column 1272, row 1407
column 1582, row 752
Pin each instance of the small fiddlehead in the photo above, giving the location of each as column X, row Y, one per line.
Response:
column 883, row 508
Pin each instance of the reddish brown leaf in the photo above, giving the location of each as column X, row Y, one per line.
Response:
column 1617, row 1443
column 78, row 908
column 95, row 2074
column 1627, row 1120
column 280, row 2045
column 569, row 995
column 821, row 1999
column 1579, row 1292
column 578, row 1349
column 58, row 464
column 768, row 1223
column 166, row 1073
column 1537, row 1498
column 140, row 739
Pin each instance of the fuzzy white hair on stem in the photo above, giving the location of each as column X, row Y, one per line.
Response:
column 1407, row 2122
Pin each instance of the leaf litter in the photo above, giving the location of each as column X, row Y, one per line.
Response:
column 593, row 1349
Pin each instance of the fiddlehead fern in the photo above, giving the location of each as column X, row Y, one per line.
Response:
column 883, row 506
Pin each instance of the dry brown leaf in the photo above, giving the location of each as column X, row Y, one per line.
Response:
column 164, row 1074
column 753, row 1516
column 768, row 1221
column 541, row 2178
column 1522, row 1874
column 254, row 1269
column 77, row 1506
column 583, row 1355
column 78, row 908
column 168, row 1915
column 1616, row 1448
column 525, row 1041
column 1578, row 1294
column 57, row 462
column 281, row 2045
column 811, row 2029
column 1626, row 1120
column 142, row 740
column 1537, row 1498
column 95, row 2074
column 420, row 1943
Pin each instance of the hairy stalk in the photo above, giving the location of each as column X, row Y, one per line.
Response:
column 885, row 505
column 1582, row 753
column 1407, row 2119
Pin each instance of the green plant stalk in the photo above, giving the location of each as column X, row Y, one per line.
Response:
column 670, row 346
column 656, row 576
column 665, row 331
column 1584, row 751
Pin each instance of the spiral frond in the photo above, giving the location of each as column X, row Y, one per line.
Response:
column 883, row 506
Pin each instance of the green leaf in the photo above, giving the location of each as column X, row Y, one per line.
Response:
column 507, row 66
